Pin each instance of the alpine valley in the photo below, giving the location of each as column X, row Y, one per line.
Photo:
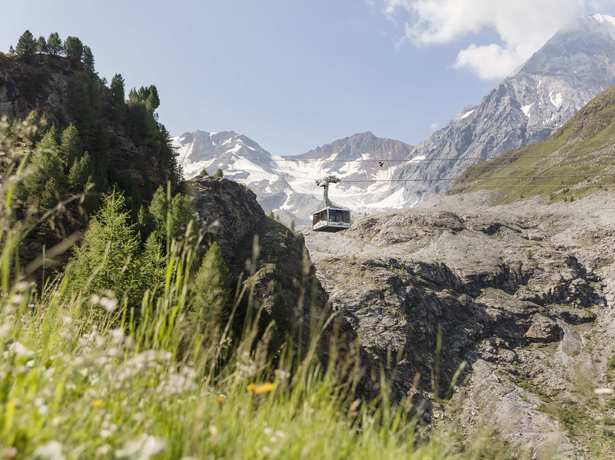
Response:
column 557, row 81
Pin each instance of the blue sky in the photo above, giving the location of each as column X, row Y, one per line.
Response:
column 291, row 74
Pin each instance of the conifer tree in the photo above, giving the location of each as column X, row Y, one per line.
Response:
column 70, row 145
column 108, row 258
column 80, row 173
column 219, row 174
column 26, row 46
column 117, row 90
column 41, row 45
column 74, row 49
column 88, row 60
column 54, row 44
column 210, row 294
column 171, row 216
column 44, row 184
column 152, row 100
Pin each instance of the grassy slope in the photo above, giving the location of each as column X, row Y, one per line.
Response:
column 584, row 146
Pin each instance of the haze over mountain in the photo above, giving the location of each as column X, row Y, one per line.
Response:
column 563, row 76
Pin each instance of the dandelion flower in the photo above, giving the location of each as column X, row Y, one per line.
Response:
column 259, row 389
column 98, row 404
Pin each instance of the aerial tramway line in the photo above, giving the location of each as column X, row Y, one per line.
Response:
column 332, row 218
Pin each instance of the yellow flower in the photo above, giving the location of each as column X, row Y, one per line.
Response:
column 262, row 388
column 220, row 399
column 98, row 404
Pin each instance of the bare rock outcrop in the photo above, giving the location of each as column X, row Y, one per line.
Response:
column 500, row 318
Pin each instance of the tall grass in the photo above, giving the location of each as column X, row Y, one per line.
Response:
column 80, row 377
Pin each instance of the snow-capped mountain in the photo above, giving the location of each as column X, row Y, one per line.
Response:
column 572, row 68
column 286, row 185
column 563, row 76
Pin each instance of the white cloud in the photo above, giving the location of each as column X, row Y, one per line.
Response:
column 523, row 26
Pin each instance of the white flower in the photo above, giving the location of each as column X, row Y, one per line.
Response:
column 5, row 330
column 142, row 448
column 103, row 451
column 19, row 350
column 50, row 451
column 17, row 299
column 110, row 305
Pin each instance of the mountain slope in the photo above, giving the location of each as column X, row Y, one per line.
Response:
column 576, row 160
column 574, row 66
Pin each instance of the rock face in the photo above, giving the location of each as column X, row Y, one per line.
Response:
column 563, row 76
column 271, row 259
column 501, row 318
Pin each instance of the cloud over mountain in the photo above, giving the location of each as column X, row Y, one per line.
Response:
column 522, row 26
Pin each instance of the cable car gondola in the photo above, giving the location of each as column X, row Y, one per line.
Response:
column 330, row 218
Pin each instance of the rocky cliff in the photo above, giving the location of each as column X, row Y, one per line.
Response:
column 500, row 317
column 267, row 258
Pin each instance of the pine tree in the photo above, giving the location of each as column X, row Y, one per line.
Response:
column 80, row 173
column 74, row 49
column 70, row 145
column 54, row 44
column 88, row 60
column 172, row 216
column 117, row 90
column 26, row 46
column 152, row 100
column 44, row 184
column 219, row 174
column 41, row 45
column 108, row 258
column 11, row 50
column 210, row 294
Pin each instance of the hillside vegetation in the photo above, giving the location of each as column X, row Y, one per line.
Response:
column 577, row 160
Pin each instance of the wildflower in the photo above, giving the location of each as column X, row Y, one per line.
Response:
column 109, row 304
column 19, row 350
column 261, row 388
column 5, row 330
column 41, row 406
column 604, row 391
column 141, row 448
column 221, row 399
column 98, row 404
column 103, row 451
column 50, row 451
column 17, row 299
column 282, row 375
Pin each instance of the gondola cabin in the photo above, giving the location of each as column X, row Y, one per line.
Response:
column 331, row 220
